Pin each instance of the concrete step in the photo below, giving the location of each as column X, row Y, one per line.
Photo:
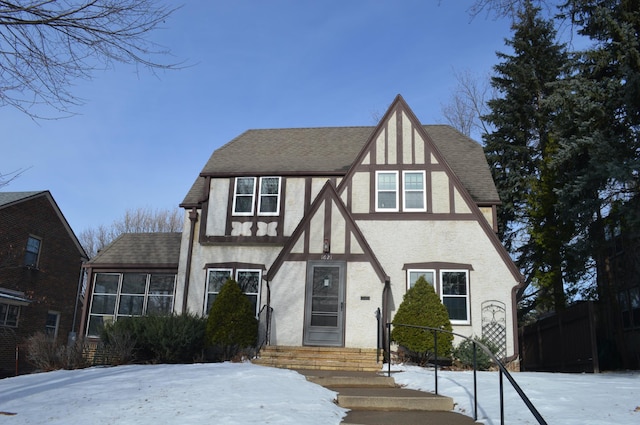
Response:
column 319, row 358
column 390, row 399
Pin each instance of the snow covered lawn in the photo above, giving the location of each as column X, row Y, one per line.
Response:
column 242, row 393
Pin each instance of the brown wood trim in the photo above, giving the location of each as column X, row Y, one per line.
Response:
column 279, row 173
column 399, row 139
column 437, row 265
column 353, row 258
column 142, row 267
column 413, row 216
column 235, row 265
column 243, row 240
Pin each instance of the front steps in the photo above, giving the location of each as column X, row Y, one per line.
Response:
column 375, row 399
column 319, row 358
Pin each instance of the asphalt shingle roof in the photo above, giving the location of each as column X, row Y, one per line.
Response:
column 141, row 248
column 7, row 198
column 331, row 151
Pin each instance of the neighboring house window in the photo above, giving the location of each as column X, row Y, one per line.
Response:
column 32, row 251
column 455, row 294
column 243, row 197
column 269, row 201
column 386, row 191
column 452, row 287
column 51, row 325
column 414, row 193
column 414, row 275
column 129, row 294
column 9, row 315
column 247, row 279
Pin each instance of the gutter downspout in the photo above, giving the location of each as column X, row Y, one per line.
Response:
column 386, row 293
column 193, row 217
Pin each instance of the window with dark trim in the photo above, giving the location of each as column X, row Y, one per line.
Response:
column 32, row 251
column 451, row 285
column 247, row 279
column 267, row 201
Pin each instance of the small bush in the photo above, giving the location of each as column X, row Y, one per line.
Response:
column 46, row 354
column 464, row 353
column 421, row 306
column 156, row 339
column 232, row 328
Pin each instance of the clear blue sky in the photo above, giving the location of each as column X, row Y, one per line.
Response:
column 141, row 140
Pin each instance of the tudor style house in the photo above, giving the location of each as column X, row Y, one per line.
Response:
column 324, row 226
column 40, row 270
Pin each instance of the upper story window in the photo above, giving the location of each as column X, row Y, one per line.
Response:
column 414, row 193
column 32, row 251
column 267, row 199
column 386, row 191
column 243, row 197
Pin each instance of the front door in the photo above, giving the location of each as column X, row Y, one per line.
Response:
column 324, row 306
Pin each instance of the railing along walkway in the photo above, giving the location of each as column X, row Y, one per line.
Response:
column 502, row 371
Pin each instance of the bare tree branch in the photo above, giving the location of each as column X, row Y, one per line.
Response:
column 468, row 104
column 46, row 45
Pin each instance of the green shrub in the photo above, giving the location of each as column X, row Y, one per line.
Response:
column 232, row 326
column 464, row 353
column 158, row 339
column 421, row 306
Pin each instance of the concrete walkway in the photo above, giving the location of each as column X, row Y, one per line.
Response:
column 374, row 399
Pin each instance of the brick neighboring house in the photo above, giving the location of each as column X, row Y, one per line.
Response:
column 40, row 270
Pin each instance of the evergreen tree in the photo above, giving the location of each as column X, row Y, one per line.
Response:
column 232, row 325
column 521, row 150
column 421, row 306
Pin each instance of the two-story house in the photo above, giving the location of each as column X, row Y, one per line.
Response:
column 40, row 272
column 323, row 226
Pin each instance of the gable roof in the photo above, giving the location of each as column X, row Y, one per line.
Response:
column 330, row 151
column 140, row 249
column 12, row 198
column 8, row 198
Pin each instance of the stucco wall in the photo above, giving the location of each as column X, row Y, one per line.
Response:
column 401, row 242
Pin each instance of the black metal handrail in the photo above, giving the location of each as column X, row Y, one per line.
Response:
column 502, row 370
column 264, row 337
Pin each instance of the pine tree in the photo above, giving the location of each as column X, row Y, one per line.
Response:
column 521, row 150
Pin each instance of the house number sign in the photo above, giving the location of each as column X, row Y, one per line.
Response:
column 326, row 257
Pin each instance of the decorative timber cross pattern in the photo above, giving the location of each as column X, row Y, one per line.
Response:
column 494, row 327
